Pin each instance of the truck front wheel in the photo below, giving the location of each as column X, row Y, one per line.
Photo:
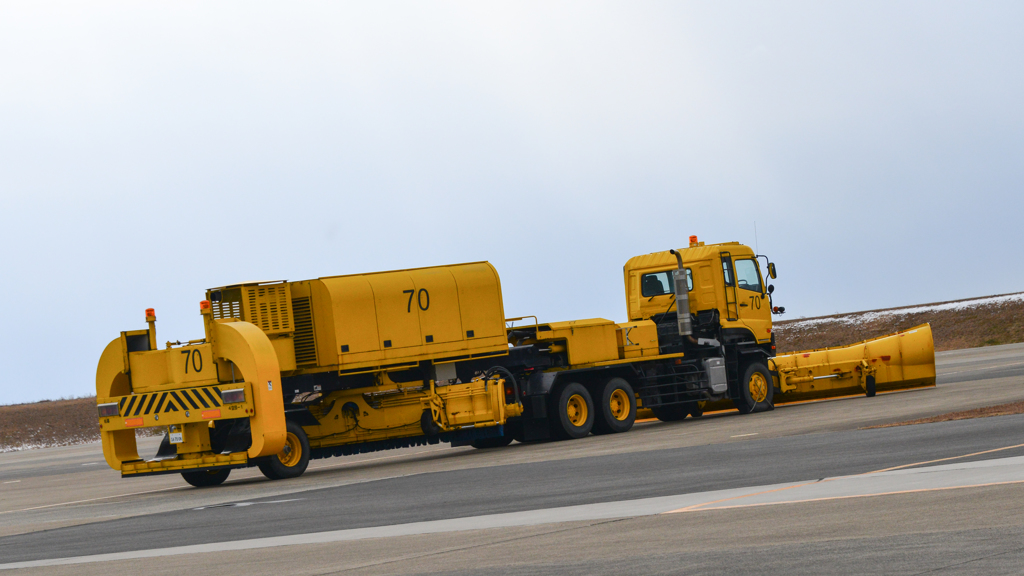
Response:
column 616, row 410
column 756, row 389
column 291, row 462
column 573, row 412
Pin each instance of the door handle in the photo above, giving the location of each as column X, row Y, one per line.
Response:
column 744, row 305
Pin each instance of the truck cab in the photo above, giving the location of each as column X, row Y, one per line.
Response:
column 728, row 293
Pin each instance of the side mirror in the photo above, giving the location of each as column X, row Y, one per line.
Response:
column 771, row 270
column 771, row 288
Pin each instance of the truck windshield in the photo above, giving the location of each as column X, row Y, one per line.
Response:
column 747, row 276
column 660, row 283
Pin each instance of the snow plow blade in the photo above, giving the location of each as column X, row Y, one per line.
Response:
column 897, row 361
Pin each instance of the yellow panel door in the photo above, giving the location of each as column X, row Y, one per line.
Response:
column 352, row 304
column 436, row 300
column 752, row 302
column 398, row 320
column 480, row 300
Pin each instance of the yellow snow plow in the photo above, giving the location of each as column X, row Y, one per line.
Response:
column 902, row 360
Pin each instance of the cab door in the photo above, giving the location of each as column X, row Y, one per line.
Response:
column 751, row 299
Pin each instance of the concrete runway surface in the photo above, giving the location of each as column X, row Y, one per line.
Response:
column 800, row 490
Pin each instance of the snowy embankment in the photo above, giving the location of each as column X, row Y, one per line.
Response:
column 957, row 324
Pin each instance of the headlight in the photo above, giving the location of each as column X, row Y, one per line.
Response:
column 233, row 396
column 108, row 410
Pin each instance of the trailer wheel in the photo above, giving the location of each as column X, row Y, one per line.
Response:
column 869, row 385
column 616, row 410
column 204, row 478
column 291, row 462
column 756, row 389
column 697, row 409
column 575, row 412
column 673, row 413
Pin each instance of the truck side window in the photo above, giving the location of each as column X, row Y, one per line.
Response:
column 727, row 270
column 660, row 283
column 747, row 276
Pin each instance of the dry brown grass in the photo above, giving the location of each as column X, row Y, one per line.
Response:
column 983, row 325
column 998, row 410
column 48, row 423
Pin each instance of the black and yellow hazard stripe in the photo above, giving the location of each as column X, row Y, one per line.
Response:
column 171, row 401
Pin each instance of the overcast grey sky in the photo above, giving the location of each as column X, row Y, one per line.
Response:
column 151, row 150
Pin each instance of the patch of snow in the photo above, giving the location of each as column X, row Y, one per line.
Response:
column 866, row 317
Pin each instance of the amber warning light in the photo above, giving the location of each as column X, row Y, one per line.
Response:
column 150, row 315
column 204, row 305
column 693, row 241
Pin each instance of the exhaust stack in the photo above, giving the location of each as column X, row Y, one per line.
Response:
column 682, row 297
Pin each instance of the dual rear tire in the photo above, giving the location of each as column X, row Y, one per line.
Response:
column 575, row 414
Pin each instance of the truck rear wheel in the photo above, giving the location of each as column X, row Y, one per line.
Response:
column 616, row 410
column 291, row 462
column 573, row 414
column 756, row 389
column 204, row 478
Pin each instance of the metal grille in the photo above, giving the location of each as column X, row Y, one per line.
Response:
column 668, row 384
column 268, row 308
column 230, row 305
column 305, row 343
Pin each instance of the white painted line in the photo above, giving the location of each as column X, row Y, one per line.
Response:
column 12, row 482
column 354, row 462
column 742, row 435
column 944, row 477
column 90, row 464
column 241, row 504
column 94, row 499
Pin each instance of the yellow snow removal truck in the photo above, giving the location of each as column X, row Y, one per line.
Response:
column 289, row 371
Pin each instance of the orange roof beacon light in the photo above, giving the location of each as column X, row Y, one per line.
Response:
column 693, row 241
column 150, row 315
column 204, row 306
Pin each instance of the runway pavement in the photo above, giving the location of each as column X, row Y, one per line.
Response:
column 783, row 491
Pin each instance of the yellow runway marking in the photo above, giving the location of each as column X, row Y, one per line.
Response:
column 945, row 459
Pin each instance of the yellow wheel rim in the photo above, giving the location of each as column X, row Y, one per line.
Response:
column 758, row 387
column 618, row 404
column 576, row 410
column 291, row 454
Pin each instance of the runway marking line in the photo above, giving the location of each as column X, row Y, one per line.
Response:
column 93, row 499
column 185, row 487
column 694, row 508
column 979, row 369
column 698, row 506
column 12, row 482
column 742, row 435
column 945, row 459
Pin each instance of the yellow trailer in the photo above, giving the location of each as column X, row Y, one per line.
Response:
column 289, row 371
